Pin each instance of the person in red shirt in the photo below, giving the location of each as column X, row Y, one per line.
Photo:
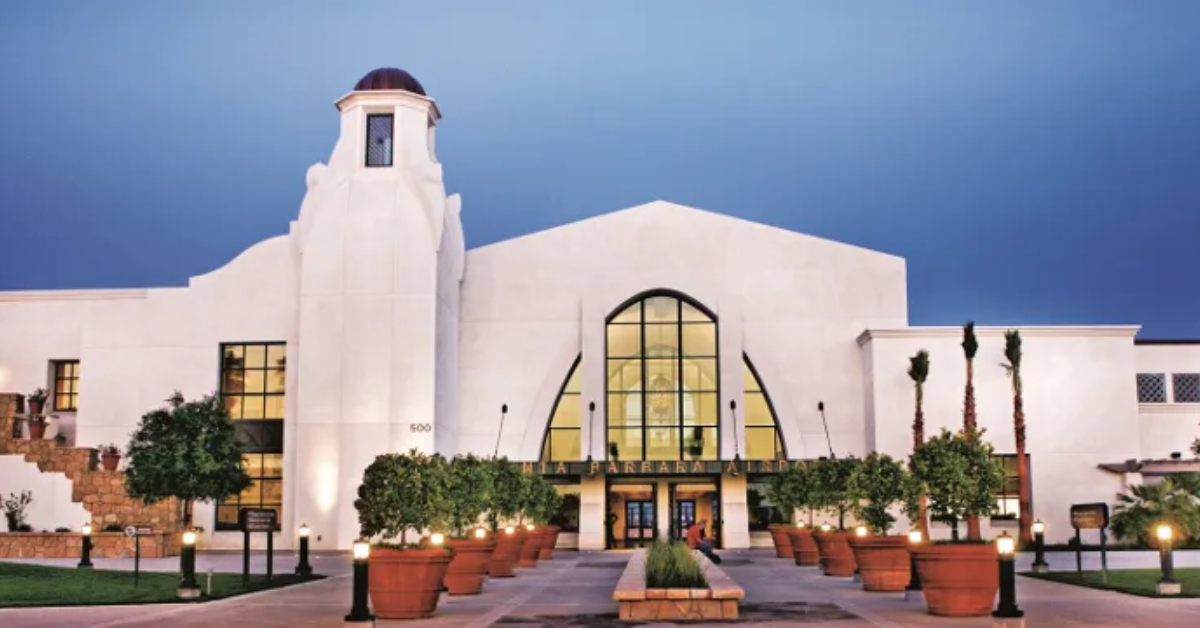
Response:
column 694, row 534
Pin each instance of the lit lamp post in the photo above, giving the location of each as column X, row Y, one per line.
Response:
column 359, row 611
column 913, row 591
column 1007, row 608
column 1039, row 548
column 188, row 589
column 303, row 570
column 825, row 527
column 861, row 532
column 1167, row 585
column 85, row 556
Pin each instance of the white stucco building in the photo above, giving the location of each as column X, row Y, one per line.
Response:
column 368, row 328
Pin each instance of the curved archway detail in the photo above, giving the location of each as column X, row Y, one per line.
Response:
column 764, row 438
column 562, row 441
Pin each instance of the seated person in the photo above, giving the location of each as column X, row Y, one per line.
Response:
column 696, row 540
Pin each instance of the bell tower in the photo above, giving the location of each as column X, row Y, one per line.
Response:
column 381, row 252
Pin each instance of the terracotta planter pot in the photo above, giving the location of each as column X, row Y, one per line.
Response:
column 836, row 557
column 804, row 548
column 959, row 580
column 464, row 575
column 506, row 554
column 36, row 407
column 406, row 584
column 549, row 541
column 883, row 562
column 37, row 431
column 110, row 461
column 531, row 548
column 783, row 542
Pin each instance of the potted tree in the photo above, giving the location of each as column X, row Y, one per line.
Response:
column 37, row 426
column 37, row 402
column 959, row 475
column 530, row 509
column 878, row 483
column 399, row 493
column 830, row 490
column 779, row 494
column 796, row 493
column 509, row 486
column 110, row 457
column 468, row 493
column 547, row 503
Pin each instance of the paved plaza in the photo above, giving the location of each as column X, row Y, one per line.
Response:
column 575, row 589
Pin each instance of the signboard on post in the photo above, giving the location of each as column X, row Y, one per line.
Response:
column 257, row 520
column 1090, row 517
column 136, row 532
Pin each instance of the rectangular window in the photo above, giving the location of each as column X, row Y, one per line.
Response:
column 1187, row 387
column 253, row 388
column 379, row 139
column 1151, row 388
column 1008, row 498
column 66, row 386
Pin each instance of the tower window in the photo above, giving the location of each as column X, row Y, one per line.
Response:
column 379, row 139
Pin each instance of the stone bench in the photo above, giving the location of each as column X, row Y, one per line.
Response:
column 637, row 603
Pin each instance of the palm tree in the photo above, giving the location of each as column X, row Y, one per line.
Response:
column 1012, row 352
column 918, row 371
column 970, row 348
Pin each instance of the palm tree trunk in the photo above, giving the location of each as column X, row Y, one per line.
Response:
column 974, row 533
column 918, row 439
column 1024, row 499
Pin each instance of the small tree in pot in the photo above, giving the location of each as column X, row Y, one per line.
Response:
column 509, row 489
column 110, row 457
column 469, row 493
column 547, row 503
column 878, row 484
column 960, row 477
column 830, row 491
column 781, row 496
column 36, row 401
column 534, row 516
column 402, row 493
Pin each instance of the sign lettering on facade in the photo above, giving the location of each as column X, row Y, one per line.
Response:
column 678, row 467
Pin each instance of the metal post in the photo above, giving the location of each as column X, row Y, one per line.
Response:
column 304, row 570
column 359, row 610
column 1078, row 555
column 1039, row 555
column 733, row 414
column 500, row 432
column 1007, row 609
column 914, row 590
column 914, row 580
column 1168, row 562
column 85, row 555
column 245, row 557
column 270, row 554
column 188, row 588
column 137, row 558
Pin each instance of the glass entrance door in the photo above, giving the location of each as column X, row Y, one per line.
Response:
column 639, row 523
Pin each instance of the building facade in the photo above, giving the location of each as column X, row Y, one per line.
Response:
column 657, row 363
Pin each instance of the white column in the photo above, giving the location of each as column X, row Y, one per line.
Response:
column 734, row 512
column 592, row 513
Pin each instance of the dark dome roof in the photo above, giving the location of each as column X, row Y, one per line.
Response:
column 389, row 78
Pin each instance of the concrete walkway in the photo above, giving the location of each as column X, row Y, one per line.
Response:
column 576, row 589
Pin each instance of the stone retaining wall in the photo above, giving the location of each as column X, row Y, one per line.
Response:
column 637, row 603
column 70, row 544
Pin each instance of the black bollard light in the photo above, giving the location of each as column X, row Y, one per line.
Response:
column 1039, row 548
column 913, row 590
column 360, row 612
column 1167, row 585
column 188, row 589
column 304, row 569
column 1006, row 546
column 85, row 556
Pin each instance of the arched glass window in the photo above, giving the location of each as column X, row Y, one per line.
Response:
column 763, row 439
column 562, row 440
column 663, row 396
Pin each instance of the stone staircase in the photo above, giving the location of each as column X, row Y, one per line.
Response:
column 102, row 493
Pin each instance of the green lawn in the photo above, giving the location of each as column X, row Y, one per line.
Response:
column 1131, row 581
column 32, row 585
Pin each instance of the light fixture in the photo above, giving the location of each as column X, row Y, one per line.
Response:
column 1005, row 544
column 509, row 530
column 362, row 549
column 914, row 536
column 304, row 530
column 189, row 538
column 87, row 529
column 530, row 527
column 360, row 609
column 1167, row 584
column 1039, row 527
column 860, row 531
column 1039, row 547
column 480, row 533
column 1164, row 532
column 799, row 524
column 825, row 527
column 437, row 539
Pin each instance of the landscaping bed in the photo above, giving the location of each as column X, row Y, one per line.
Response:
column 1132, row 581
column 36, row 585
column 672, row 583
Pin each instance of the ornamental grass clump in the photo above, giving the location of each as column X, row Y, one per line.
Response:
column 672, row 566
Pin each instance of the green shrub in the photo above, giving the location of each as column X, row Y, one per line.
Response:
column 672, row 566
column 877, row 483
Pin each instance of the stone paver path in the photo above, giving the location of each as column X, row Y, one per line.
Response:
column 575, row 589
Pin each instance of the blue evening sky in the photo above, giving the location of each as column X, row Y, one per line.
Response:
column 1036, row 162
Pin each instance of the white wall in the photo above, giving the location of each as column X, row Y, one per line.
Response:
column 51, row 506
column 1168, row 427
column 1080, row 406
